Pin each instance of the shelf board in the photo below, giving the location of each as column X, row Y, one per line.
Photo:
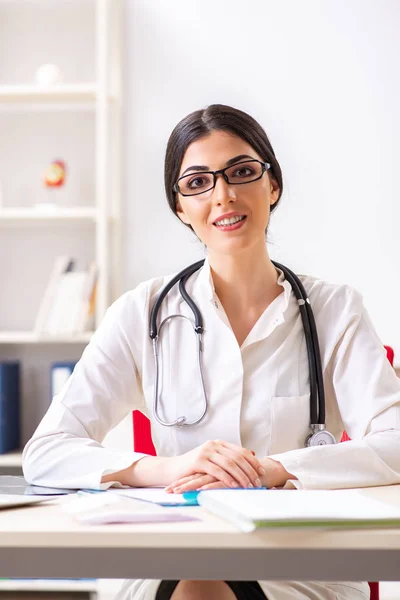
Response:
column 30, row 337
column 73, row 92
column 40, row 214
column 11, row 459
column 48, row 585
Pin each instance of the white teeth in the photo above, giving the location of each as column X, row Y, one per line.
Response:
column 230, row 221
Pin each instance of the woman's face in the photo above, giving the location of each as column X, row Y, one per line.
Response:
column 251, row 200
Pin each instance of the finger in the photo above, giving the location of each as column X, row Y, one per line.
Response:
column 212, row 486
column 248, row 454
column 195, row 484
column 246, row 467
column 231, row 466
column 180, row 481
column 189, row 480
column 209, row 466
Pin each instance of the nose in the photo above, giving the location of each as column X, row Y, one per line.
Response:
column 223, row 193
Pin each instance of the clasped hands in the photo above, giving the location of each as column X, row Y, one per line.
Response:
column 218, row 464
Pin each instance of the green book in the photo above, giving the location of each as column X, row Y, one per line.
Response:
column 252, row 509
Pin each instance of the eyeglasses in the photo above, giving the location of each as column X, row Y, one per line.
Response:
column 238, row 174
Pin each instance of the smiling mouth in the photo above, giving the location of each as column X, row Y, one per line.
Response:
column 229, row 221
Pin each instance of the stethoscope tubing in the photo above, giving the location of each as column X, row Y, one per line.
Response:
column 317, row 394
column 317, row 407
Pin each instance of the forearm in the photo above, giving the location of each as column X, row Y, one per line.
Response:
column 146, row 472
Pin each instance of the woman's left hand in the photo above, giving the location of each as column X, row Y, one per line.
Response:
column 196, row 481
column 275, row 476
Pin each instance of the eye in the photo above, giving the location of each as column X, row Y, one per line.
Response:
column 198, row 181
column 243, row 172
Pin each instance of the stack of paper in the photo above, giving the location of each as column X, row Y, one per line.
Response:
column 102, row 508
column 249, row 509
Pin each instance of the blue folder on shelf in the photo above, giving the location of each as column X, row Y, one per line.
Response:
column 9, row 406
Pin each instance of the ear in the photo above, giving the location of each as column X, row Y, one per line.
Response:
column 181, row 213
column 274, row 190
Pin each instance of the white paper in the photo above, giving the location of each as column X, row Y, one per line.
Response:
column 102, row 508
column 154, row 495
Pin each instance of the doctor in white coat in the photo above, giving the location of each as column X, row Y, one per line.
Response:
column 254, row 361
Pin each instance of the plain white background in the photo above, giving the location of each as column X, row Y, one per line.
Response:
column 322, row 78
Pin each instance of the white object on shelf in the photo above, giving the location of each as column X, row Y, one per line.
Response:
column 48, row 75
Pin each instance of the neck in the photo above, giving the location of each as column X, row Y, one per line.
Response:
column 245, row 279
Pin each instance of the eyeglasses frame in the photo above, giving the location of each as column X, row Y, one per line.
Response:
column 265, row 167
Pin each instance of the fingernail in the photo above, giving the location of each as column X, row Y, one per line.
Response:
column 177, row 489
column 261, row 471
column 250, row 485
column 257, row 482
column 234, row 484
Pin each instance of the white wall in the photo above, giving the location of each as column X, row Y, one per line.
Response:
column 322, row 78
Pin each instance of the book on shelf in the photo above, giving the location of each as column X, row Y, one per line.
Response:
column 60, row 372
column 9, row 406
column 67, row 306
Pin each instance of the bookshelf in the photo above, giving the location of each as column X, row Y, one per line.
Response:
column 78, row 120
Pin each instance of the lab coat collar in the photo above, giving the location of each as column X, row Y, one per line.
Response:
column 205, row 285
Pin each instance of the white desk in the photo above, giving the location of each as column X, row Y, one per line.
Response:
column 43, row 541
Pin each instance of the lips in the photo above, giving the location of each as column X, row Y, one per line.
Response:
column 231, row 215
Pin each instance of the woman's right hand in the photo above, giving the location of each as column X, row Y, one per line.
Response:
column 228, row 463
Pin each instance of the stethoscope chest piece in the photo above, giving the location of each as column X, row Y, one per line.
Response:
column 320, row 438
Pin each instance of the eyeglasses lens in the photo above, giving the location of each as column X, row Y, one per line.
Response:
column 198, row 183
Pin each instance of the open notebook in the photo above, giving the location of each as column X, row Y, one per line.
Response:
column 250, row 509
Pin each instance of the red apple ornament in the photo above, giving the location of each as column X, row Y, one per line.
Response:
column 54, row 174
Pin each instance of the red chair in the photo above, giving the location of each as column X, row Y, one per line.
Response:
column 142, row 442
column 374, row 585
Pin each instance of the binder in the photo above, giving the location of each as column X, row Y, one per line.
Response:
column 9, row 406
column 60, row 372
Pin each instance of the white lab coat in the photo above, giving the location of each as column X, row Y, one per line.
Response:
column 258, row 396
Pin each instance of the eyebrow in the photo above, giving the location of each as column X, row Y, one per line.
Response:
column 228, row 163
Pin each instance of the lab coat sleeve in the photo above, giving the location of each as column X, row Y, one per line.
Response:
column 360, row 379
column 65, row 450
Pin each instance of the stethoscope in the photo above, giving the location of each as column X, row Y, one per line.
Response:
column 319, row 435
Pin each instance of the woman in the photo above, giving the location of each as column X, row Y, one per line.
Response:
column 222, row 180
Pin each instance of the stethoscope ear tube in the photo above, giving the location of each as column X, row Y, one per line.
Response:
column 302, row 301
column 198, row 319
column 155, row 310
column 316, row 352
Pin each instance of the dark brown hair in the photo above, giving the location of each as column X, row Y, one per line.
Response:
column 216, row 117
